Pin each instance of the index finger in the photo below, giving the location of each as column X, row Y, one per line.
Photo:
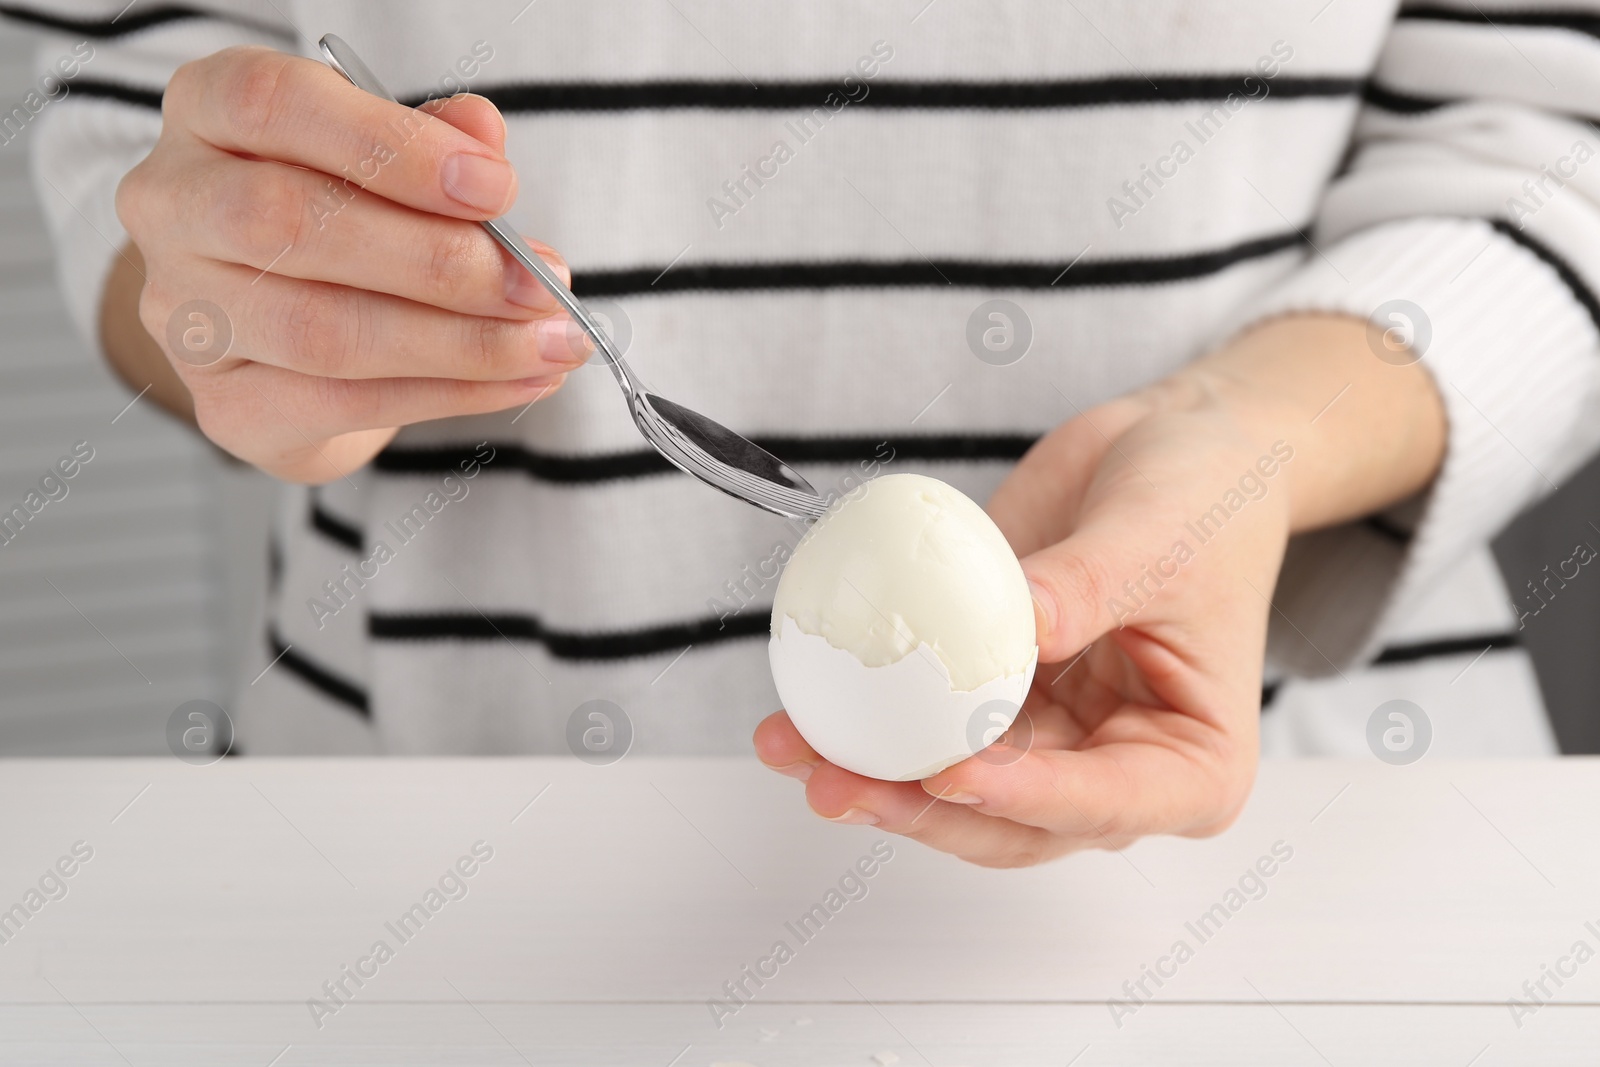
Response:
column 257, row 102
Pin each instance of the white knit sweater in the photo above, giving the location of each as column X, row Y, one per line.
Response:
column 797, row 209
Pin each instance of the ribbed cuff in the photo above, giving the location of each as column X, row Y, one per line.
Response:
column 1517, row 362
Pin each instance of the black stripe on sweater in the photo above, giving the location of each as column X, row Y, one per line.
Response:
column 639, row 463
column 1571, row 19
column 802, row 96
column 1448, row 646
column 129, row 21
column 1387, row 529
column 1412, row 653
column 318, row 677
column 331, row 526
column 127, row 94
column 921, row 273
column 1400, row 101
column 1564, row 270
column 274, row 563
column 754, row 621
column 571, row 644
column 532, row 98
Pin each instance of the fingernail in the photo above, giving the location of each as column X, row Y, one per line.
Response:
column 1044, row 609
column 522, row 288
column 524, row 291
column 959, row 798
column 479, row 182
column 560, row 341
column 856, row 817
column 801, row 771
column 543, row 381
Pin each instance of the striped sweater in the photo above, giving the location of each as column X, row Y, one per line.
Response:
column 795, row 215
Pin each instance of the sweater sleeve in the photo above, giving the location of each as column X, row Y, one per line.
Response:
column 1465, row 228
column 95, row 112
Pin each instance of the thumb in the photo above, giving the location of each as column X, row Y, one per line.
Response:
column 1097, row 579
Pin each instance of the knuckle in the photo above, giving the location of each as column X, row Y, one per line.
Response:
column 347, row 404
column 450, row 265
column 217, row 417
column 317, row 329
column 183, row 88
column 1113, row 828
column 132, row 197
column 209, row 419
column 154, row 307
column 1118, row 822
column 492, row 344
column 352, row 405
column 1077, row 580
column 262, row 216
column 253, row 87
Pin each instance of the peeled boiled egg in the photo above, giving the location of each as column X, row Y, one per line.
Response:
column 902, row 630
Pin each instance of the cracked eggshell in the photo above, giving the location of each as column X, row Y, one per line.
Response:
column 901, row 722
column 902, row 630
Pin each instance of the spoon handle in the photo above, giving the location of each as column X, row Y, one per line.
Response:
column 342, row 58
column 513, row 243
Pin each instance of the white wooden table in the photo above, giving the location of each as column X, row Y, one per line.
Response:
column 218, row 900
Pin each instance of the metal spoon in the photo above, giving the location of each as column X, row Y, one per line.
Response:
column 691, row 442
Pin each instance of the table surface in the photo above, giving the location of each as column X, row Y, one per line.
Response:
column 1413, row 905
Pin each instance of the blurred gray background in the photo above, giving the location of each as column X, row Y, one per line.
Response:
column 138, row 590
column 141, row 589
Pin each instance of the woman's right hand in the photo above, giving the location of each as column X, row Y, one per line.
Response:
column 328, row 238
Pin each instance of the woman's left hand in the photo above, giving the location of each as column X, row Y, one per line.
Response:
column 1152, row 529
